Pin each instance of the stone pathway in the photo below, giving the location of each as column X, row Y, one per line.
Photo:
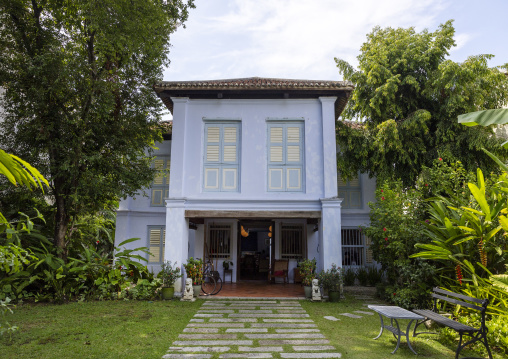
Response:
column 251, row 329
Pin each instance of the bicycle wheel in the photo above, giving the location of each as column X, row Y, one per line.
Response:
column 208, row 285
column 218, row 286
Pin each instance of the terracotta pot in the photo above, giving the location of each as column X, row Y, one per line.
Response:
column 167, row 293
column 333, row 296
column 196, row 289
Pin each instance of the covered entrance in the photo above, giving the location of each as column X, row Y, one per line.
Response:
column 256, row 245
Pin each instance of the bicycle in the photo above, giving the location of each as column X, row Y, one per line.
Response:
column 212, row 282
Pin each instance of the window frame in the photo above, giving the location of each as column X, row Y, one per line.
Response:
column 162, row 244
column 365, row 251
column 285, row 166
column 226, row 227
column 346, row 191
column 221, row 166
column 162, row 187
column 302, row 240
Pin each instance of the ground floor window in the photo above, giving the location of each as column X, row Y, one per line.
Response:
column 355, row 248
column 156, row 244
column 292, row 241
column 219, row 240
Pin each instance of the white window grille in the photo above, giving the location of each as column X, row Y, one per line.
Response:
column 355, row 251
column 292, row 241
column 219, row 240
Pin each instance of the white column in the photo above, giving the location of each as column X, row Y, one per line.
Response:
column 331, row 248
column 177, row 235
column 177, row 173
column 329, row 147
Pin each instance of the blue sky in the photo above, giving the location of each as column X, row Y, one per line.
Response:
column 299, row 38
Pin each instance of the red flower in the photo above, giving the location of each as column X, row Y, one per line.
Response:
column 426, row 185
column 394, row 293
column 382, row 198
column 382, row 191
column 97, row 242
column 386, row 238
column 440, row 159
column 384, row 229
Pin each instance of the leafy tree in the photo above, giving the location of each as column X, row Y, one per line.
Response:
column 78, row 102
column 409, row 96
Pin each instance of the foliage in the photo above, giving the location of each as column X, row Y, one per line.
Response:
column 363, row 276
column 349, row 276
column 486, row 118
column 307, row 271
column 145, row 289
column 332, row 279
column 194, row 270
column 18, row 171
column 408, row 96
column 374, row 275
column 79, row 103
column 168, row 274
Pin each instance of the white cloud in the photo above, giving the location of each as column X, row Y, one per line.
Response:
column 286, row 38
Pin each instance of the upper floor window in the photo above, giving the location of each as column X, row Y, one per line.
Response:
column 221, row 156
column 160, row 186
column 350, row 191
column 285, row 156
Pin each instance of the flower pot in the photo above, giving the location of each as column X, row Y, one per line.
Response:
column 308, row 291
column 196, row 289
column 333, row 296
column 167, row 293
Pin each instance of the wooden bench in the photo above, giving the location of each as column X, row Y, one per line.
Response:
column 476, row 334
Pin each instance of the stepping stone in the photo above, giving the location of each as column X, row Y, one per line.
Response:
column 350, row 315
column 255, row 311
column 284, row 336
column 216, row 325
column 201, row 315
column 194, row 320
column 296, row 330
column 264, row 315
column 214, row 342
column 294, row 342
column 329, row 317
column 260, row 349
column 201, row 330
column 287, row 320
column 180, row 355
column 362, row 312
column 310, row 348
column 293, row 302
column 291, row 311
column 247, row 301
column 223, row 311
column 211, row 304
column 231, row 320
column 247, row 330
column 242, row 307
column 207, row 336
column 199, row 349
column 310, row 355
column 247, row 355
column 282, row 325
column 280, row 308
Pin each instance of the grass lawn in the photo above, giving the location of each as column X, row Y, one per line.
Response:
column 135, row 329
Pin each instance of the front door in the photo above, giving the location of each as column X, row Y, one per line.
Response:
column 254, row 249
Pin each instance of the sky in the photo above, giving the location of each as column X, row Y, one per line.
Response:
column 299, row 39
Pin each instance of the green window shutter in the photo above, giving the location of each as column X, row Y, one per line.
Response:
column 160, row 185
column 350, row 192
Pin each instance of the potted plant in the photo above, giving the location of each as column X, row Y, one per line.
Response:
column 332, row 281
column 307, row 272
column 169, row 275
column 226, row 264
column 194, row 270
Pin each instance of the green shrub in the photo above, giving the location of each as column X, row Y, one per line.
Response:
column 374, row 275
column 332, row 279
column 308, row 271
column 349, row 277
column 363, row 276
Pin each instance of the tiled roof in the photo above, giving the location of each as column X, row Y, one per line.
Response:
column 255, row 87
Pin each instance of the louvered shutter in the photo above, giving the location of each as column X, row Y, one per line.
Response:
column 154, row 245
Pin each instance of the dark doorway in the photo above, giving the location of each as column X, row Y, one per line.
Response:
column 253, row 250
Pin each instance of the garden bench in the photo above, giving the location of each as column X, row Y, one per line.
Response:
column 476, row 334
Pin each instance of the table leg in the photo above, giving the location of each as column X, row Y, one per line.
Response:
column 398, row 336
column 407, row 337
column 382, row 326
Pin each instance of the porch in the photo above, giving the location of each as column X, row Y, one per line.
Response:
column 259, row 289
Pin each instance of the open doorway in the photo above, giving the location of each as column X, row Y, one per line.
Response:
column 254, row 250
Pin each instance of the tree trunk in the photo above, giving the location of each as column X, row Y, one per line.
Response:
column 61, row 225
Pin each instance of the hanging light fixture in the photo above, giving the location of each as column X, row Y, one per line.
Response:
column 243, row 232
column 270, row 232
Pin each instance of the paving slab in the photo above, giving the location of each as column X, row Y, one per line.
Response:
column 296, row 330
column 281, row 307
column 246, row 301
column 247, row 355
column 310, row 355
column 180, row 355
column 290, row 302
column 329, row 317
column 284, row 336
column 232, row 320
column 256, row 311
column 216, row 325
column 282, row 325
column 247, row 330
column 364, row 312
column 350, row 315
column 294, row 342
column 239, row 315
column 208, row 336
column 300, row 348
column 260, row 349
column 201, row 315
column 194, row 320
column 288, row 321
column 223, row 311
column 214, row 342
column 282, row 311
column 201, row 330
column 200, row 349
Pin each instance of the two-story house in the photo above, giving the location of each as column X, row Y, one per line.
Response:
column 253, row 178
